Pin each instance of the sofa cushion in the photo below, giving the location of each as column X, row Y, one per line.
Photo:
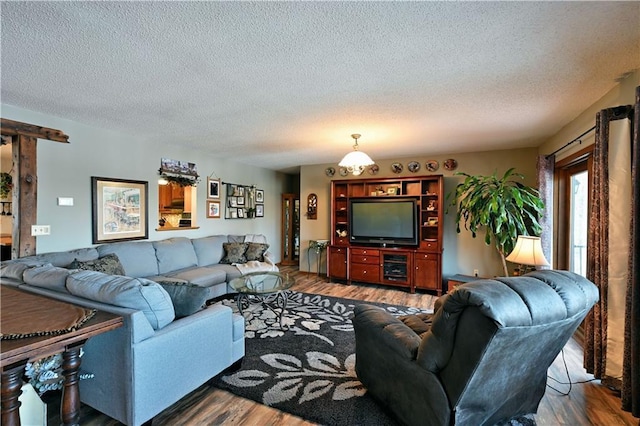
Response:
column 175, row 253
column 204, row 276
column 109, row 264
column 14, row 269
column 209, row 249
column 235, row 238
column 47, row 276
column 256, row 251
column 255, row 238
column 234, row 253
column 137, row 257
column 135, row 293
column 186, row 298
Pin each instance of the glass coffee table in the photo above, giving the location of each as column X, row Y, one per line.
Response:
column 265, row 288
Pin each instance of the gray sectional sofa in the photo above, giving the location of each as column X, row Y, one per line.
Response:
column 160, row 354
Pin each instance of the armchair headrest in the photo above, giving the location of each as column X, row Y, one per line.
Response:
column 536, row 298
column 541, row 297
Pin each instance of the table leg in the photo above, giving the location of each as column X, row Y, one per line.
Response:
column 70, row 407
column 10, row 392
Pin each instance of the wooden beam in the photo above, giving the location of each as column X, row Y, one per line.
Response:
column 15, row 128
column 25, row 195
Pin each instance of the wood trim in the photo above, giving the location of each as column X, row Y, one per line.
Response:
column 15, row 128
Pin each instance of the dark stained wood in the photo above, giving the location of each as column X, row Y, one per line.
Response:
column 588, row 404
column 25, row 195
column 15, row 128
column 14, row 354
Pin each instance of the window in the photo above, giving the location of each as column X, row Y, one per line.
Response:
column 574, row 183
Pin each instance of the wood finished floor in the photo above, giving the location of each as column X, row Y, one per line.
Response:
column 588, row 403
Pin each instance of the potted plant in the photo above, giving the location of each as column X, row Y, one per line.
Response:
column 251, row 211
column 504, row 207
column 6, row 183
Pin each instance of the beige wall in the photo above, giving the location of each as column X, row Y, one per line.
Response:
column 621, row 94
column 462, row 253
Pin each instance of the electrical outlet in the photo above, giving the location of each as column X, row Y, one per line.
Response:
column 38, row 230
column 475, row 272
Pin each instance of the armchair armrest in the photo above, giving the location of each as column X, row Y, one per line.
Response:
column 377, row 330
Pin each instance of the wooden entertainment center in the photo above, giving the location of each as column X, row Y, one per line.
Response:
column 412, row 267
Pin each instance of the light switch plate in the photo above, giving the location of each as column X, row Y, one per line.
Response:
column 65, row 201
column 38, row 230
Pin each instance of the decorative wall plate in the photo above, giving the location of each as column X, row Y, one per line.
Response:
column 343, row 171
column 450, row 164
column 432, row 165
column 397, row 167
column 374, row 169
column 413, row 166
column 330, row 171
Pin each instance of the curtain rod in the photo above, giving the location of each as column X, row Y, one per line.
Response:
column 238, row 184
column 571, row 142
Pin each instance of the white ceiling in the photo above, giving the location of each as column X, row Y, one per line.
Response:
column 282, row 84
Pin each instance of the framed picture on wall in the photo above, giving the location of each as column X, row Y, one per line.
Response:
column 213, row 209
column 240, row 213
column 213, row 188
column 259, row 210
column 259, row 196
column 119, row 210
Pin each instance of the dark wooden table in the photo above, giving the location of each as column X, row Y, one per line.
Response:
column 16, row 353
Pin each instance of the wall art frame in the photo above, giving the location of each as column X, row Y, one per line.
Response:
column 119, row 209
column 213, row 188
column 213, row 209
column 259, row 210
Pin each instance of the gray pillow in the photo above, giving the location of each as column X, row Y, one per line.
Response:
column 256, row 251
column 234, row 253
column 109, row 264
column 187, row 298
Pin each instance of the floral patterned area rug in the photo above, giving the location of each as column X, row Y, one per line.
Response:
column 309, row 369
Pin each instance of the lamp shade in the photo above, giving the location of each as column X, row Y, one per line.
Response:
column 528, row 251
column 356, row 161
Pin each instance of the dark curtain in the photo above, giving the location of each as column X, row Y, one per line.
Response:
column 595, row 349
column 545, row 169
column 631, row 366
column 595, row 344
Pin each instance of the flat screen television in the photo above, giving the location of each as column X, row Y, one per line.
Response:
column 380, row 221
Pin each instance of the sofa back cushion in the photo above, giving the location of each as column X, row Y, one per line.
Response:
column 47, row 276
column 209, row 249
column 135, row 293
column 174, row 254
column 137, row 257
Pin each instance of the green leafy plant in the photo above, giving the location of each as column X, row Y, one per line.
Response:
column 181, row 180
column 6, row 183
column 503, row 207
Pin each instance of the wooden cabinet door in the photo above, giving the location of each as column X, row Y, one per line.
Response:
column 338, row 262
column 427, row 271
column 366, row 273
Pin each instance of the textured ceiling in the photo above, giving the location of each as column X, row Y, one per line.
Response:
column 281, row 84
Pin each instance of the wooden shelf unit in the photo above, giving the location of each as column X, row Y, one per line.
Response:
column 410, row 267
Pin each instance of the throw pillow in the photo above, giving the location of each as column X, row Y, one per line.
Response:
column 187, row 298
column 256, row 251
column 108, row 264
column 234, row 253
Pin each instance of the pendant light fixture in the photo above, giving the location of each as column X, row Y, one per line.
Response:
column 356, row 161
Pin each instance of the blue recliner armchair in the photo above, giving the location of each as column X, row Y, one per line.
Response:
column 481, row 358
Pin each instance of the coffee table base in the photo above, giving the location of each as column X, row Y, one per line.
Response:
column 272, row 301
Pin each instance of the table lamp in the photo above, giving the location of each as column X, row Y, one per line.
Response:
column 527, row 252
